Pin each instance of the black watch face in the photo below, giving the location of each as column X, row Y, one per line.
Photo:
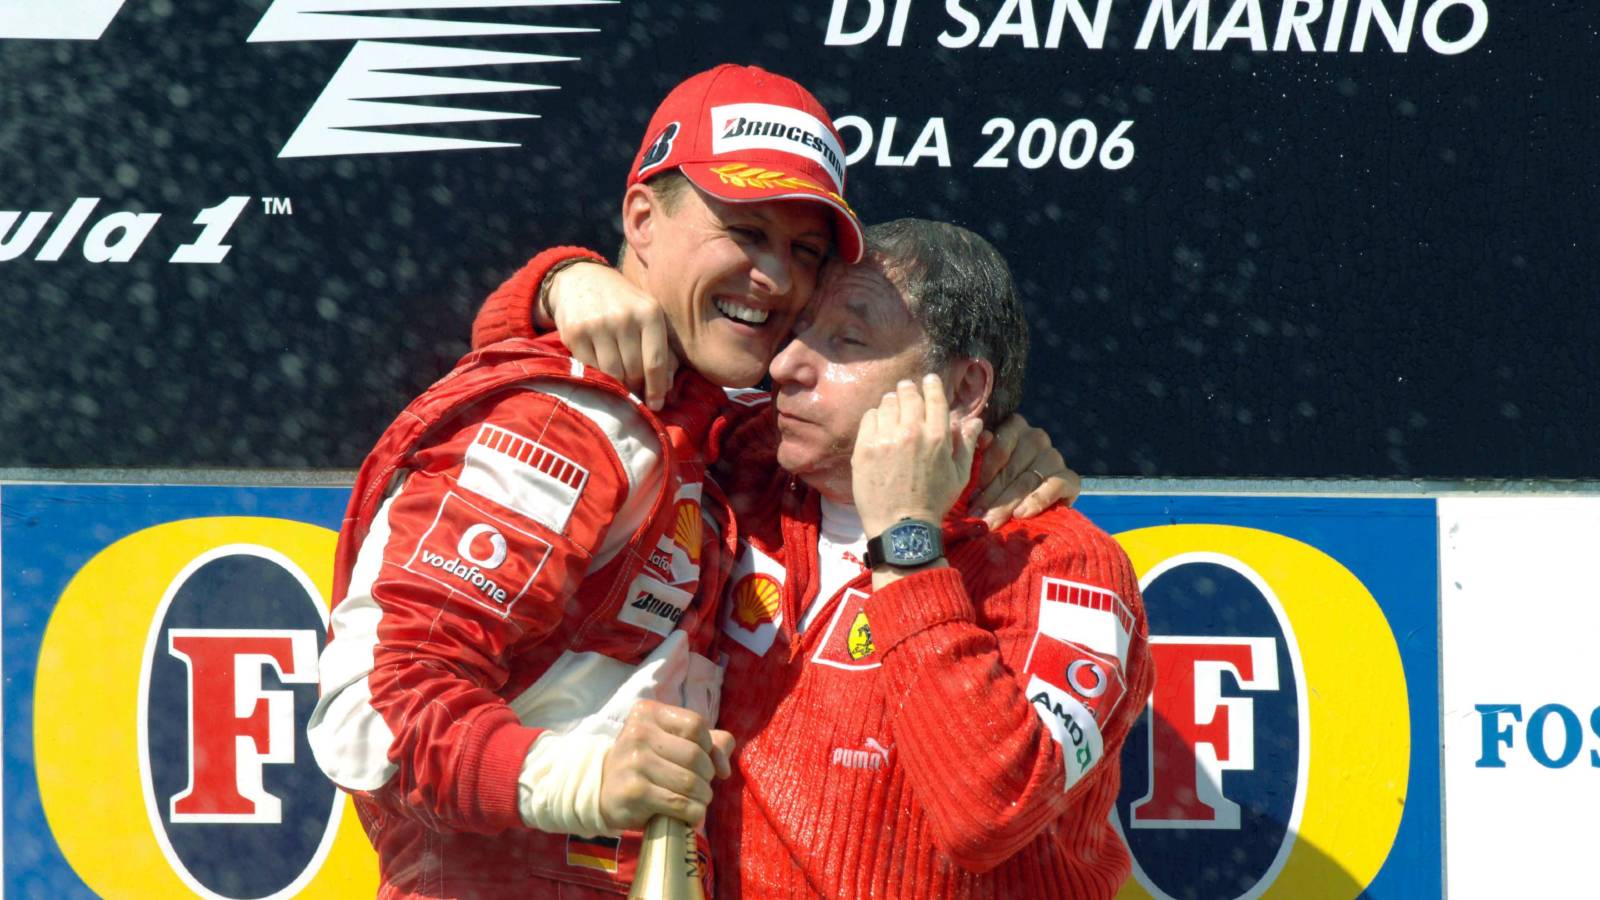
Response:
column 910, row 542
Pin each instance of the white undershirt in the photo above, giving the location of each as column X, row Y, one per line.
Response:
column 841, row 549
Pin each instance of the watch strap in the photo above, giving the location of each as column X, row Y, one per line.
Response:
column 877, row 551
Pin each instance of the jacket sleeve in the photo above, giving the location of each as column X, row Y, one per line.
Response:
column 508, row 313
column 1004, row 727
column 475, row 557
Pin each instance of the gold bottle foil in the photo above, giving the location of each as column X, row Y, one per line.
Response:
column 669, row 863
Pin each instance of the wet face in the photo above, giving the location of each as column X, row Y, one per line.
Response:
column 733, row 276
column 852, row 344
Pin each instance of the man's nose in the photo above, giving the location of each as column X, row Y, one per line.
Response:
column 774, row 272
column 793, row 364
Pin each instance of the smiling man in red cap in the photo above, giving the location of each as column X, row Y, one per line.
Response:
column 516, row 676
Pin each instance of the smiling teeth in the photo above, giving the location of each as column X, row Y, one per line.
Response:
column 746, row 314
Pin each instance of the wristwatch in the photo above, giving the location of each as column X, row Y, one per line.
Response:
column 907, row 544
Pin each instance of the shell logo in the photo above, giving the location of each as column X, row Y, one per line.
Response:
column 687, row 530
column 755, row 600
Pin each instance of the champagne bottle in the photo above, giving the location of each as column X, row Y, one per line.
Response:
column 669, row 863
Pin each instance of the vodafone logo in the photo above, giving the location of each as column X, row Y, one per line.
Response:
column 492, row 565
column 1086, row 678
column 495, row 541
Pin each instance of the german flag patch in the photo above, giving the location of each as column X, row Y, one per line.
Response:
column 593, row 852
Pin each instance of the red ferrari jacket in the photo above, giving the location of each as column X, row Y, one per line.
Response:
column 521, row 538
column 955, row 735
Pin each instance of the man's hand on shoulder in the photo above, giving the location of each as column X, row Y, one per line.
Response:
column 1022, row 474
column 663, row 763
column 611, row 324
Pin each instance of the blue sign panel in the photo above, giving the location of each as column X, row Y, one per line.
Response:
column 159, row 661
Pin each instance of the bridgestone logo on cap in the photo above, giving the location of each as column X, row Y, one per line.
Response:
column 765, row 126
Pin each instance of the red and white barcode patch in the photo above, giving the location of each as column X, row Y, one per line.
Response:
column 1084, row 614
column 750, row 397
column 524, row 475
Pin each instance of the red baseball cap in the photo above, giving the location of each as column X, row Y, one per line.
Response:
column 743, row 134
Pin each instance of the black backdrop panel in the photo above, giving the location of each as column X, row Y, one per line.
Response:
column 1289, row 262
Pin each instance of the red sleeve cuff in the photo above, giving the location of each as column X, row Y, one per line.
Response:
column 508, row 313
column 489, row 773
column 915, row 604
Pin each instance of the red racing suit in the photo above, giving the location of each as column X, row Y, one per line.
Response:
column 954, row 735
column 522, row 538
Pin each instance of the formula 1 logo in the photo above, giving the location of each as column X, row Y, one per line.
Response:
column 359, row 103
column 115, row 237
column 360, row 99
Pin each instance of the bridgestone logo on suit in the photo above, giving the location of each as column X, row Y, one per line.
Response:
column 655, row 606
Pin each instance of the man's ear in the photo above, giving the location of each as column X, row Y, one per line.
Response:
column 971, row 384
column 640, row 207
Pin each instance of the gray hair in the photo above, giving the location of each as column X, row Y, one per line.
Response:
column 961, row 292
